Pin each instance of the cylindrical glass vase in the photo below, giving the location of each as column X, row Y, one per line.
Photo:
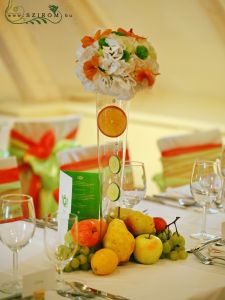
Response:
column 112, row 124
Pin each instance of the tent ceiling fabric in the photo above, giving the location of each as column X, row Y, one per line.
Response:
column 37, row 62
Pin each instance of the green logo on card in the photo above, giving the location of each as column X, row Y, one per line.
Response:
column 64, row 200
column 18, row 14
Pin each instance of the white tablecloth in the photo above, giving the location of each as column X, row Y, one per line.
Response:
column 172, row 280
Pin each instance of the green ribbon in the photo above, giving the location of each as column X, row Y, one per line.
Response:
column 48, row 170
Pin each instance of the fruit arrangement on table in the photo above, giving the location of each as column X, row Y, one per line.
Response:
column 134, row 236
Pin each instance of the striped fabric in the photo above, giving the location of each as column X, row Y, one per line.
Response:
column 9, row 176
column 178, row 154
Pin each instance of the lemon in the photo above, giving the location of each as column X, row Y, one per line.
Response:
column 104, row 261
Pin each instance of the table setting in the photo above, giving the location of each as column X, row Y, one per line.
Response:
column 104, row 237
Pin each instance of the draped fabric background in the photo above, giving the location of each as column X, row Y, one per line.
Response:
column 37, row 66
column 37, row 61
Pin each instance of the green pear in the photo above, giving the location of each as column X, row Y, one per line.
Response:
column 138, row 223
column 119, row 239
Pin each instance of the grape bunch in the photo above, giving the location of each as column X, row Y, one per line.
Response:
column 81, row 259
column 173, row 243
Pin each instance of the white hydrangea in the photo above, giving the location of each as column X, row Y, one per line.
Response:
column 118, row 63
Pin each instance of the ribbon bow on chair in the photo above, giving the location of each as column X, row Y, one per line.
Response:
column 40, row 158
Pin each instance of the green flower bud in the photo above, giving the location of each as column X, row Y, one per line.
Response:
column 141, row 52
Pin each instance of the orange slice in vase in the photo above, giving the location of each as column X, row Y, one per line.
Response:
column 112, row 121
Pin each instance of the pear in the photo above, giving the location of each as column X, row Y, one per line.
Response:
column 138, row 223
column 124, row 212
column 119, row 239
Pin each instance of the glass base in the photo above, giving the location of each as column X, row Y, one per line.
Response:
column 203, row 236
column 11, row 288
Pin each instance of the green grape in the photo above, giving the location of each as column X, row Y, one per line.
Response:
column 163, row 255
column 162, row 236
column 181, row 240
column 77, row 250
column 170, row 241
column 90, row 257
column 175, row 239
column 84, row 250
column 68, row 239
column 166, row 247
column 85, row 266
column 68, row 268
column 62, row 252
column 180, row 248
column 168, row 233
column 75, row 263
column 82, row 258
column 173, row 255
column 182, row 254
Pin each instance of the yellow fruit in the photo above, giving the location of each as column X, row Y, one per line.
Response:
column 104, row 261
column 139, row 223
column 119, row 239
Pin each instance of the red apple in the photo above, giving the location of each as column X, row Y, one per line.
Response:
column 148, row 249
column 160, row 224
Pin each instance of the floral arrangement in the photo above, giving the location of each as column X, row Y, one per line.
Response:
column 117, row 63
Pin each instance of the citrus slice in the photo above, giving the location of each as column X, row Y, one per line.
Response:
column 112, row 121
column 114, row 164
column 113, row 191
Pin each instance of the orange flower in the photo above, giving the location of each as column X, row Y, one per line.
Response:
column 131, row 34
column 88, row 40
column 90, row 67
column 145, row 75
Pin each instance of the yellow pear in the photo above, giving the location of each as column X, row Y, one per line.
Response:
column 123, row 213
column 138, row 223
column 119, row 239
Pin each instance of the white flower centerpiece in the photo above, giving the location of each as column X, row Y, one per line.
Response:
column 116, row 64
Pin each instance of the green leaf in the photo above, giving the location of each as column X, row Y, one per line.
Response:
column 38, row 21
column 45, row 21
column 101, row 69
column 102, row 42
column 126, row 55
column 118, row 33
column 141, row 52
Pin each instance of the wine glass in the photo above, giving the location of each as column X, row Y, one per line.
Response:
column 222, row 167
column 60, row 239
column 17, row 227
column 134, row 183
column 206, row 186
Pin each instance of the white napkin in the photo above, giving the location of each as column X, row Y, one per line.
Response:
column 216, row 251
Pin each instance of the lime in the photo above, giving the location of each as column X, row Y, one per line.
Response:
column 113, row 191
column 114, row 164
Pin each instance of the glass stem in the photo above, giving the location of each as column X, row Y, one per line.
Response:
column 203, row 230
column 15, row 266
column 60, row 281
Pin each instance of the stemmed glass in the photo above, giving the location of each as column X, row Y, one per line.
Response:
column 222, row 167
column 60, row 239
column 17, row 227
column 134, row 183
column 206, row 186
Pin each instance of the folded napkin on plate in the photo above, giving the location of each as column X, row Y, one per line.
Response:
column 217, row 251
column 179, row 152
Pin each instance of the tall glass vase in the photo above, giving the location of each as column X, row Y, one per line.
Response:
column 112, row 125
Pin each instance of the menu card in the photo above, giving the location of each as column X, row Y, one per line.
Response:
column 80, row 193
